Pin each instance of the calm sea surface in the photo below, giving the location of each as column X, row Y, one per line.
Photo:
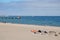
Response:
column 35, row 20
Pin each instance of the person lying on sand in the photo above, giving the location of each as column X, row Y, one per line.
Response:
column 44, row 32
column 39, row 31
column 34, row 31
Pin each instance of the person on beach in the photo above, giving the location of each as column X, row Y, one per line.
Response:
column 39, row 31
column 45, row 32
column 34, row 31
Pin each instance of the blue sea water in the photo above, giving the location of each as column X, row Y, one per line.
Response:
column 35, row 20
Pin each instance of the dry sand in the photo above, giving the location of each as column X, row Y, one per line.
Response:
column 23, row 32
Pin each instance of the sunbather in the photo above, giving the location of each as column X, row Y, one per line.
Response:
column 39, row 31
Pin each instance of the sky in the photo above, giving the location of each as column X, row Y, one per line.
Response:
column 8, row 0
column 30, row 7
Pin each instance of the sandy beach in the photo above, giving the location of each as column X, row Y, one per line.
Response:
column 9, row 31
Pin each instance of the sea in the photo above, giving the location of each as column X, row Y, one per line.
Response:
column 33, row 20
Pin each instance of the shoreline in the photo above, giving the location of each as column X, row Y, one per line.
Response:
column 32, row 24
column 28, row 25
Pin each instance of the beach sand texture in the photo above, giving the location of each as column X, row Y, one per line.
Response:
column 10, row 31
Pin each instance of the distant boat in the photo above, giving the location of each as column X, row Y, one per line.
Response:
column 19, row 17
column 33, row 16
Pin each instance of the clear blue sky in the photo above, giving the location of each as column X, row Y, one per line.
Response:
column 30, row 7
column 8, row 0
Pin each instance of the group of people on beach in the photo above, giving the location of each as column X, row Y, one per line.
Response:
column 45, row 32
